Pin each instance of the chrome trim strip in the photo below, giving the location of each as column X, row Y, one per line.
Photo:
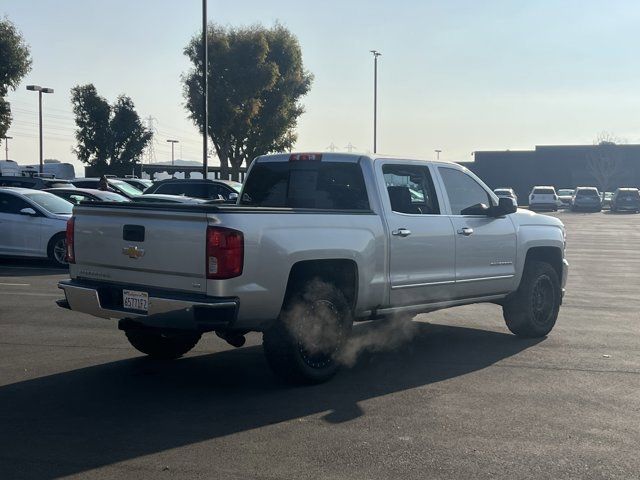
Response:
column 427, row 284
column 429, row 307
column 479, row 279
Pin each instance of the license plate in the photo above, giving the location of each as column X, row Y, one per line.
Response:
column 134, row 300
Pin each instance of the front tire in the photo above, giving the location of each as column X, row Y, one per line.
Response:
column 303, row 345
column 162, row 345
column 57, row 250
column 533, row 310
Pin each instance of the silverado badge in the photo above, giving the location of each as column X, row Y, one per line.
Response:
column 133, row 251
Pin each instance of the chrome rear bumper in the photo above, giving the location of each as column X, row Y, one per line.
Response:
column 166, row 309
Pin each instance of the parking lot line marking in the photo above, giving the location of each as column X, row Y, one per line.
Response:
column 16, row 284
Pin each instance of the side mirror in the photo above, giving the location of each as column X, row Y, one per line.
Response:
column 477, row 209
column 506, row 205
column 233, row 197
column 28, row 211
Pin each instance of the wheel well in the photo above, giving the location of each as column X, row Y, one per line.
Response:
column 343, row 274
column 550, row 255
column 51, row 240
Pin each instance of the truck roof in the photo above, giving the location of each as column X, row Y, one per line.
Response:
column 340, row 157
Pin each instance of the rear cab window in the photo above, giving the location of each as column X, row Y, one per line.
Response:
column 306, row 184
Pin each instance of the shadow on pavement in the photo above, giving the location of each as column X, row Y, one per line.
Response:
column 29, row 267
column 83, row 419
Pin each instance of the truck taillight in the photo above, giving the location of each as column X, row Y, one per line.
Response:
column 225, row 253
column 71, row 227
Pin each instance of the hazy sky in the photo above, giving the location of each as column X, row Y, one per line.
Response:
column 455, row 75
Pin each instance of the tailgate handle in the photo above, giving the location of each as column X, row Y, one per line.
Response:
column 133, row 233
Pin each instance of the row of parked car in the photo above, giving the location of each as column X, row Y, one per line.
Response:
column 34, row 210
column 587, row 199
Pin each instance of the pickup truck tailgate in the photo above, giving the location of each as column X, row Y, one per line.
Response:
column 150, row 247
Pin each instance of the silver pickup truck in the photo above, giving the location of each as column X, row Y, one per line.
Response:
column 315, row 242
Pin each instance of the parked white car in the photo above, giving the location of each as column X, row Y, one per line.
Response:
column 543, row 198
column 33, row 224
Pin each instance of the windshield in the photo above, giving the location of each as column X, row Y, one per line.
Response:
column 544, row 191
column 112, row 197
column 125, row 187
column 502, row 191
column 565, row 192
column 51, row 203
column 587, row 193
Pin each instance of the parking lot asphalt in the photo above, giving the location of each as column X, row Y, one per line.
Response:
column 458, row 397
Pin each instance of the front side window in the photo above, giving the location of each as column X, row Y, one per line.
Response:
column 462, row 190
column 410, row 189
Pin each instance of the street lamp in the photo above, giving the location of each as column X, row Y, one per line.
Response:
column 205, row 90
column 437, row 154
column 6, row 146
column 375, row 54
column 173, row 143
column 40, row 90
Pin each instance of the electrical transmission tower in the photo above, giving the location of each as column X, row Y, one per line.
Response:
column 332, row 147
column 350, row 148
column 150, row 154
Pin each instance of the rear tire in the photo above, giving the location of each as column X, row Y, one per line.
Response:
column 533, row 310
column 57, row 250
column 303, row 345
column 162, row 345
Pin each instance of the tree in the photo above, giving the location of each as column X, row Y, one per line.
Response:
column 15, row 63
column 107, row 136
column 604, row 163
column 256, row 80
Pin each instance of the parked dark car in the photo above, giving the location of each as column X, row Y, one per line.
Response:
column 77, row 195
column 36, row 183
column 198, row 188
column 586, row 199
column 626, row 199
column 115, row 185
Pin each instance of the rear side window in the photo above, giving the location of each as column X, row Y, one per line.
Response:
column 12, row 204
column 321, row 185
column 410, row 189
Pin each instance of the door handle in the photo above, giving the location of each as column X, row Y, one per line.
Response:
column 466, row 231
column 401, row 232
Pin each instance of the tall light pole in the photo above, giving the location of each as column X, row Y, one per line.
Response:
column 376, row 54
column 205, row 89
column 6, row 147
column 40, row 90
column 172, row 142
column 437, row 154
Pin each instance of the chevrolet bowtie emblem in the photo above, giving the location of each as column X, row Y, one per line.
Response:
column 133, row 251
